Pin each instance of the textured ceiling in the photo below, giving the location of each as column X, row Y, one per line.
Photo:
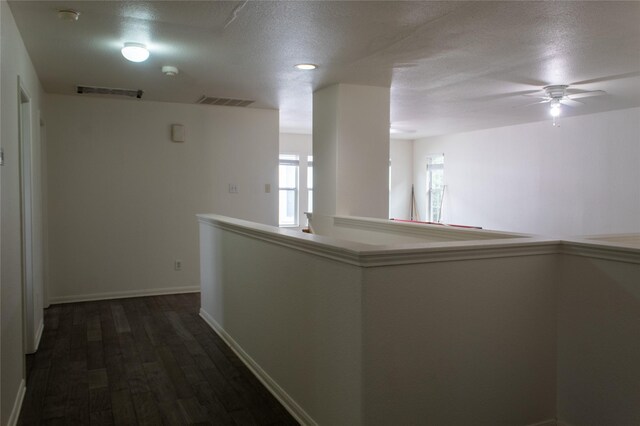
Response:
column 451, row 66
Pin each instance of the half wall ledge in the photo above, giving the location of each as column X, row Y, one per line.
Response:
column 370, row 322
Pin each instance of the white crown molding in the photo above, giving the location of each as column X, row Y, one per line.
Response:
column 365, row 255
column 601, row 250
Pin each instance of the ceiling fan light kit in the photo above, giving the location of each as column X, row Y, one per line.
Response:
column 559, row 95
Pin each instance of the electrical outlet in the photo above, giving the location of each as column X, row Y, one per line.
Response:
column 177, row 265
column 233, row 188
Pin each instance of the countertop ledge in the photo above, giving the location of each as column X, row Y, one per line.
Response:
column 367, row 255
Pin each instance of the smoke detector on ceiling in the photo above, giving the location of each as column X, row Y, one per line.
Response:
column 68, row 15
column 170, row 70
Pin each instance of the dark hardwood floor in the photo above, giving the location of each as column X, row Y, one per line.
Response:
column 146, row 361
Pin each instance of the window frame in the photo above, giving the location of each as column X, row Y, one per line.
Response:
column 430, row 168
column 296, row 189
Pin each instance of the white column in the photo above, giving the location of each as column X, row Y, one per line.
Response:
column 351, row 151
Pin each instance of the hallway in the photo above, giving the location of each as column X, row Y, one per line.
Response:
column 146, row 361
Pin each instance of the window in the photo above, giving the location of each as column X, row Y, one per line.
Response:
column 435, row 187
column 310, row 183
column 288, row 178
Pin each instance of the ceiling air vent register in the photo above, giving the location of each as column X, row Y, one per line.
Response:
column 206, row 100
column 109, row 91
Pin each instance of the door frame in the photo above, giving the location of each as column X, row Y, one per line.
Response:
column 25, row 131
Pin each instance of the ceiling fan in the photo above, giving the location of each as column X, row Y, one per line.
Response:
column 558, row 95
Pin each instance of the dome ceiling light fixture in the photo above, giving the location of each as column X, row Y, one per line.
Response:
column 68, row 15
column 135, row 52
column 306, row 67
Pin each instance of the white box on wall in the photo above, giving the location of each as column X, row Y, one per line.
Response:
column 177, row 133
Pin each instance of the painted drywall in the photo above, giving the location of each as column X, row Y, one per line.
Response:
column 300, row 145
column 123, row 196
column 296, row 143
column 15, row 63
column 468, row 342
column 598, row 345
column 351, row 150
column 455, row 341
column 576, row 179
column 304, row 333
column 401, row 178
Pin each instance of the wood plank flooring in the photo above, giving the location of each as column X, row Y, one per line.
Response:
column 140, row 361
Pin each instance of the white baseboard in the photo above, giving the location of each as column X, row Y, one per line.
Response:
column 292, row 407
column 124, row 294
column 38, row 335
column 17, row 404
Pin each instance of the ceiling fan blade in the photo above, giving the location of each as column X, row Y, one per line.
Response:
column 505, row 95
column 538, row 94
column 609, row 78
column 527, row 81
column 534, row 103
column 587, row 94
column 571, row 102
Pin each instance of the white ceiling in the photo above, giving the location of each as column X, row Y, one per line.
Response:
column 451, row 66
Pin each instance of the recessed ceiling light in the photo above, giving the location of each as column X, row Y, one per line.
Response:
column 306, row 67
column 135, row 52
column 68, row 15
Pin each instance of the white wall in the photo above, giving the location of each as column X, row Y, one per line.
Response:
column 401, row 155
column 401, row 179
column 598, row 344
column 576, row 179
column 123, row 197
column 300, row 145
column 463, row 342
column 455, row 334
column 351, row 150
column 304, row 334
column 14, row 63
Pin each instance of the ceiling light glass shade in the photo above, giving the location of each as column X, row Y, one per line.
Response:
column 306, row 67
column 135, row 52
column 555, row 110
column 68, row 15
